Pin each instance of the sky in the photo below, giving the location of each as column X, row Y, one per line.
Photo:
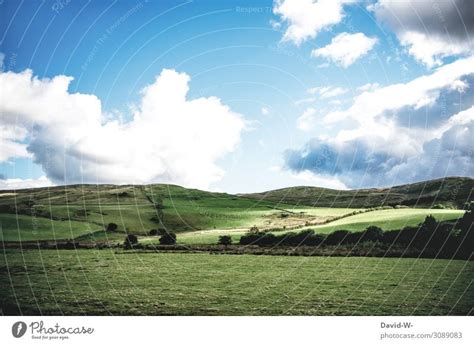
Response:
column 236, row 96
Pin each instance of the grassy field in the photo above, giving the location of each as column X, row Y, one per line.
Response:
column 133, row 209
column 385, row 219
column 103, row 282
column 27, row 228
column 199, row 217
column 74, row 211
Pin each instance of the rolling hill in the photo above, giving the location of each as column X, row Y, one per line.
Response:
column 450, row 192
column 84, row 211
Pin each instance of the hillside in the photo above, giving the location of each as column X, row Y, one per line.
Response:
column 71, row 211
column 84, row 211
column 451, row 192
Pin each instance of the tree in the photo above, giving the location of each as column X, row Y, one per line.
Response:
column 372, row 233
column 465, row 223
column 430, row 223
column 111, row 227
column 337, row 237
column 154, row 232
column 225, row 240
column 130, row 241
column 168, row 238
column 466, row 234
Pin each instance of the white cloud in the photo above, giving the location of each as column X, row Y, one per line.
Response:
column 375, row 146
column 327, row 91
column 169, row 139
column 430, row 49
column 430, row 29
column 265, row 111
column 417, row 93
column 306, row 18
column 307, row 120
column 275, row 25
column 325, row 181
column 308, row 178
column 368, row 87
column 346, row 48
column 17, row 183
column 10, row 147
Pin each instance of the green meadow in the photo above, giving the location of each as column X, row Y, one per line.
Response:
column 82, row 212
column 385, row 219
column 104, row 282
column 113, row 281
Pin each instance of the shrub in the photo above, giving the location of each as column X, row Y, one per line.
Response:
column 69, row 245
column 111, row 227
column 372, row 233
column 465, row 223
column 354, row 237
column 254, row 230
column 336, row 237
column 154, row 232
column 225, row 240
column 130, row 241
column 407, row 235
column 466, row 235
column 257, row 238
column 430, row 223
column 168, row 238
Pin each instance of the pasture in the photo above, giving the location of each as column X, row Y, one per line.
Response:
column 82, row 212
column 104, row 282
column 390, row 219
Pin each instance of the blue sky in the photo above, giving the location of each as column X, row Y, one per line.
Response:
column 236, row 96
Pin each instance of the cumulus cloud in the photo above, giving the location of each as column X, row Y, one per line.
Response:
column 418, row 93
column 306, row 18
column 10, row 142
column 169, row 139
column 430, row 29
column 345, row 48
column 404, row 132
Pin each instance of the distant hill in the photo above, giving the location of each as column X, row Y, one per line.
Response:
column 450, row 192
column 85, row 211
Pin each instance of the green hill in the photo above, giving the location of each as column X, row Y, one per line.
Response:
column 84, row 211
column 70, row 211
column 450, row 192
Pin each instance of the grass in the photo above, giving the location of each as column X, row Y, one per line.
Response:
column 27, row 228
column 387, row 219
column 76, row 210
column 198, row 217
column 92, row 282
column 451, row 192
column 132, row 208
